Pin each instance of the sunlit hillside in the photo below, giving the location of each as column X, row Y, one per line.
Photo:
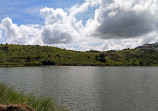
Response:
column 25, row 55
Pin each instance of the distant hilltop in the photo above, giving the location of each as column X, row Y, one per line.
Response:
column 148, row 46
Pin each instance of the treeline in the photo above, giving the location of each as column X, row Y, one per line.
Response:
column 27, row 55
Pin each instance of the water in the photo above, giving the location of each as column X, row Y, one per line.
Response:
column 89, row 88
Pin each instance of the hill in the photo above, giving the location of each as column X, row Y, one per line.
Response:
column 27, row 55
column 149, row 46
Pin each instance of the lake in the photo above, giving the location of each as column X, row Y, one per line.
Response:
column 82, row 88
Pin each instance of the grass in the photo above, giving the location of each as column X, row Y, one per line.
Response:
column 10, row 96
column 27, row 55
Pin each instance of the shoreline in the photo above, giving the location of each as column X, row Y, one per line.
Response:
column 11, row 98
column 98, row 65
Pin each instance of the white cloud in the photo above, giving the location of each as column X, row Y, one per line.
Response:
column 56, row 30
column 74, row 10
column 56, row 33
column 19, row 34
column 93, row 3
column 0, row 31
column 78, row 9
column 10, row 29
column 114, row 44
column 123, row 19
column 59, row 26
column 112, row 14
column 53, row 16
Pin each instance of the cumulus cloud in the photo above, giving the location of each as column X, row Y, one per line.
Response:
column 0, row 31
column 126, row 24
column 10, row 29
column 78, row 9
column 124, row 19
column 18, row 34
column 59, row 26
column 56, row 34
column 53, row 16
column 74, row 10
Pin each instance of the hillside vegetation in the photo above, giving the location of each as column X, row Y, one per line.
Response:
column 27, row 55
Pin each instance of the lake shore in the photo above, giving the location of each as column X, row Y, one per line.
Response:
column 99, row 65
column 13, row 99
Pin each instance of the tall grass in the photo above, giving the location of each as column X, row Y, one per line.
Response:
column 10, row 96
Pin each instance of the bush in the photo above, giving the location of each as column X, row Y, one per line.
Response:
column 48, row 62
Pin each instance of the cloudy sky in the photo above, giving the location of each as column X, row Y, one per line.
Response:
column 79, row 24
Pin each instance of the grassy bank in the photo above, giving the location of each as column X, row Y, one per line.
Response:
column 10, row 96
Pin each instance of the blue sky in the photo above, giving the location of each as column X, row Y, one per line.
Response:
column 27, row 11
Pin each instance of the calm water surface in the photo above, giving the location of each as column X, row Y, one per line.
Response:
column 89, row 88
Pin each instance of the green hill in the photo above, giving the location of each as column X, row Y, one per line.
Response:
column 26, row 55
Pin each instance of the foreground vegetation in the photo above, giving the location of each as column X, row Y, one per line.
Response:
column 10, row 96
column 26, row 55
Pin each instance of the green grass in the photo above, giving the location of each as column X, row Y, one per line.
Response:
column 27, row 55
column 10, row 96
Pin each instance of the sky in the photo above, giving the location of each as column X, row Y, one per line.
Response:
column 79, row 24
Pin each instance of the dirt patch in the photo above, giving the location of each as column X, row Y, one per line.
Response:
column 13, row 107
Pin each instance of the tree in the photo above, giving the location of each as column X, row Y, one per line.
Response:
column 100, row 58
